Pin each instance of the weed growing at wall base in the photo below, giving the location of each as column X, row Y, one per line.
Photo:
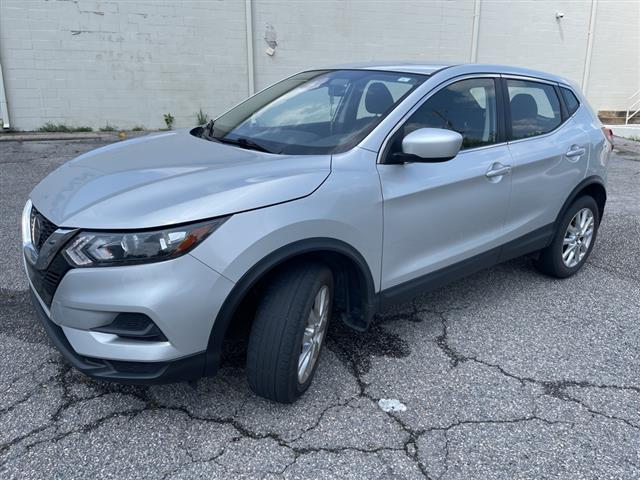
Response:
column 201, row 117
column 62, row 128
column 168, row 119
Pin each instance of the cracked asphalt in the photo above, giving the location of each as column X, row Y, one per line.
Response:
column 506, row 374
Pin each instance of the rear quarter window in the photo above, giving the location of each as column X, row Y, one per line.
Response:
column 570, row 100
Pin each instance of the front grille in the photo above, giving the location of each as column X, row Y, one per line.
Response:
column 41, row 229
column 45, row 282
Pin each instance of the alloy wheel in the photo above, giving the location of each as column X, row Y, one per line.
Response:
column 577, row 237
column 314, row 334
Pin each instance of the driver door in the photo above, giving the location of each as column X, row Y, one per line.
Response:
column 440, row 214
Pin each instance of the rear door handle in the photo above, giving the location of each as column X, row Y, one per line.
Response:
column 498, row 170
column 575, row 151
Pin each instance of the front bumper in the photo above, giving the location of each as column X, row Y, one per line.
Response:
column 187, row 368
column 181, row 297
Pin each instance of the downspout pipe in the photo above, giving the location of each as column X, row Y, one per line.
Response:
column 4, row 109
column 248, row 18
column 475, row 32
column 587, row 57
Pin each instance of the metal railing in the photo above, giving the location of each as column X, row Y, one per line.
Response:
column 633, row 108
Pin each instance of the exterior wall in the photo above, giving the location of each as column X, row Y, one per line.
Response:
column 615, row 61
column 127, row 62
column 527, row 34
column 321, row 33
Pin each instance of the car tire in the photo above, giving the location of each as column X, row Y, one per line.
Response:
column 295, row 308
column 556, row 260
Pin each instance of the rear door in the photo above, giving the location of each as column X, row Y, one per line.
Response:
column 550, row 154
column 438, row 214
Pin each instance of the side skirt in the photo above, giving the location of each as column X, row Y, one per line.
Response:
column 529, row 243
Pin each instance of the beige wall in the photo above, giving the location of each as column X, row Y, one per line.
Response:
column 89, row 62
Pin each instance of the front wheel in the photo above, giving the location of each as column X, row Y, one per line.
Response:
column 288, row 332
column 573, row 240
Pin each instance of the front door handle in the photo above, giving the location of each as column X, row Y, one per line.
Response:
column 498, row 170
column 575, row 151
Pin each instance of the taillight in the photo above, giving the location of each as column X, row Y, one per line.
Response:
column 608, row 134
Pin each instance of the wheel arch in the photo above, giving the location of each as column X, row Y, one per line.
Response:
column 593, row 186
column 354, row 295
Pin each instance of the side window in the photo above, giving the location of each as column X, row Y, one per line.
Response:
column 570, row 100
column 467, row 107
column 535, row 108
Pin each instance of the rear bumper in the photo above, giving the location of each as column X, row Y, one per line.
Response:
column 186, row 368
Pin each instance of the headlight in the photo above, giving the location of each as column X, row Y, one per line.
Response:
column 96, row 249
column 26, row 223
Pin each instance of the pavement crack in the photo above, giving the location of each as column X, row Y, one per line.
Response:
column 442, row 341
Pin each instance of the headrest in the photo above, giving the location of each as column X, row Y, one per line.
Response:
column 378, row 99
column 523, row 107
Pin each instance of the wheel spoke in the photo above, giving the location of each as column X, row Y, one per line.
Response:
column 308, row 335
column 569, row 249
column 322, row 302
column 303, row 361
column 314, row 319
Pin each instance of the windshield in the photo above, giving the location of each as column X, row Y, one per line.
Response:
column 318, row 112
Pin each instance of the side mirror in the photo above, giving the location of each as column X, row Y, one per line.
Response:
column 429, row 145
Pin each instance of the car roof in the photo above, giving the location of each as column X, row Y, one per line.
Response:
column 429, row 68
column 404, row 67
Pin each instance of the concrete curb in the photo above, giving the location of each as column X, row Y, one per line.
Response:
column 45, row 136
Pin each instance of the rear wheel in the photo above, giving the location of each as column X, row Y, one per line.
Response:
column 573, row 240
column 288, row 332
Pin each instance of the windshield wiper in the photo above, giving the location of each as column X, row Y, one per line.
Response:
column 208, row 128
column 244, row 143
column 207, row 133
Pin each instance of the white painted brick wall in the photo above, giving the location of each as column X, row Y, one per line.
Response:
column 126, row 62
column 121, row 62
column 324, row 32
column 615, row 62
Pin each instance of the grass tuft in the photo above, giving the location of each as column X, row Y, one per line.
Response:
column 62, row 128
column 201, row 117
column 168, row 119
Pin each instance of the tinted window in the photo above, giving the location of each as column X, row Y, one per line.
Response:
column 535, row 108
column 570, row 100
column 467, row 106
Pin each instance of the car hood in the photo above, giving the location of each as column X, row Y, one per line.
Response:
column 171, row 178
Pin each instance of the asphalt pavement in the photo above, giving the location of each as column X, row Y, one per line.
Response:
column 506, row 374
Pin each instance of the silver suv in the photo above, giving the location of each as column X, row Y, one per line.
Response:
column 330, row 194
